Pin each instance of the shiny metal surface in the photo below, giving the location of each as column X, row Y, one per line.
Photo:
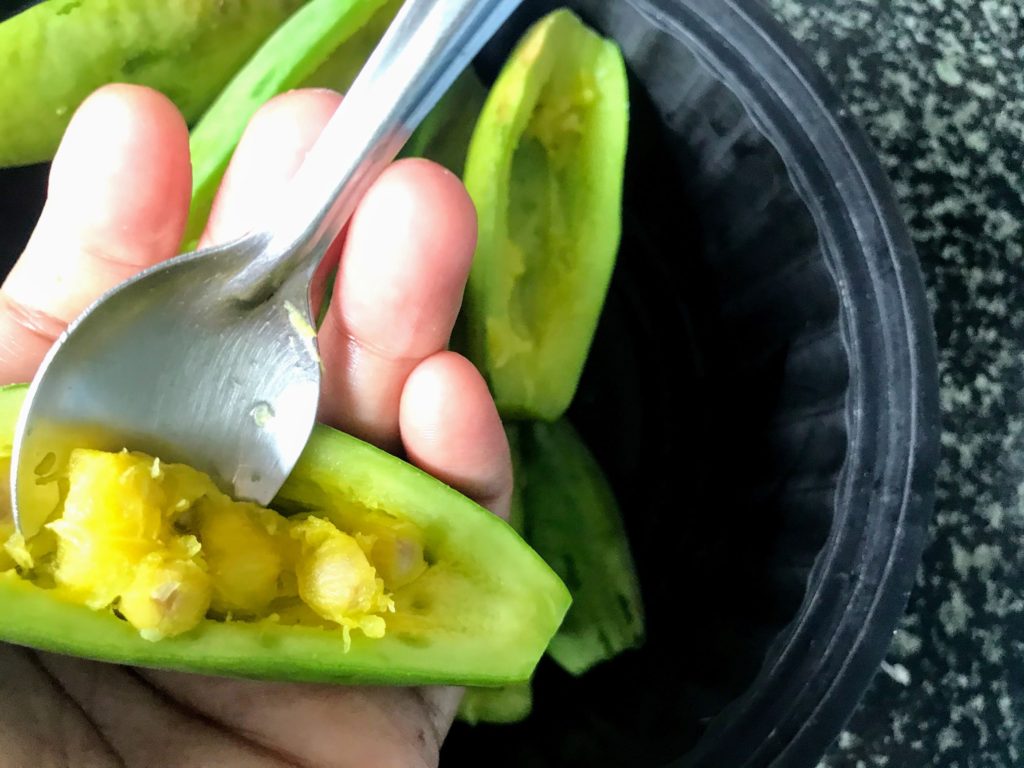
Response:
column 211, row 358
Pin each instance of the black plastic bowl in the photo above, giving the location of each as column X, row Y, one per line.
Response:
column 762, row 394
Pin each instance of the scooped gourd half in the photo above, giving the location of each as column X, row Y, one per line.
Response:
column 365, row 569
column 545, row 169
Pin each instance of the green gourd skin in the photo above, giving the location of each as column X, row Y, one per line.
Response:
column 324, row 44
column 505, row 705
column 573, row 521
column 545, row 168
column 509, row 703
column 444, row 134
column 55, row 54
column 481, row 615
column 562, row 502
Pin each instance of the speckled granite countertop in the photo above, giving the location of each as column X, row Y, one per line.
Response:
column 939, row 86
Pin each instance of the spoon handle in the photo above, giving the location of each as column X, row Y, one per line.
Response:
column 427, row 46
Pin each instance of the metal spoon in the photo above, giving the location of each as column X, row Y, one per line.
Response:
column 211, row 359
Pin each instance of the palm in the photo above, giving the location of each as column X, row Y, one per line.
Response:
column 60, row 711
column 388, row 379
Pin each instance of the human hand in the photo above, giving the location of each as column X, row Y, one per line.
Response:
column 117, row 203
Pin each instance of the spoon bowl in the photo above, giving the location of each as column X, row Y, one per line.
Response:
column 162, row 364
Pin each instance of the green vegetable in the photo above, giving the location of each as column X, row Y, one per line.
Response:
column 54, row 55
column 517, row 512
column 287, row 62
column 545, row 169
column 481, row 614
column 508, row 704
column 338, row 71
column 444, row 134
column 573, row 521
column 324, row 43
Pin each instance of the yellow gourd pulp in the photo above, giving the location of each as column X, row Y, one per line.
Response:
column 366, row 570
column 163, row 548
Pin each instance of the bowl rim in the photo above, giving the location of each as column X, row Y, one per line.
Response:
column 806, row 692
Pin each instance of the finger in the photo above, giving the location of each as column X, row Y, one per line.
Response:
column 269, row 153
column 451, row 429
column 117, row 202
column 400, row 281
